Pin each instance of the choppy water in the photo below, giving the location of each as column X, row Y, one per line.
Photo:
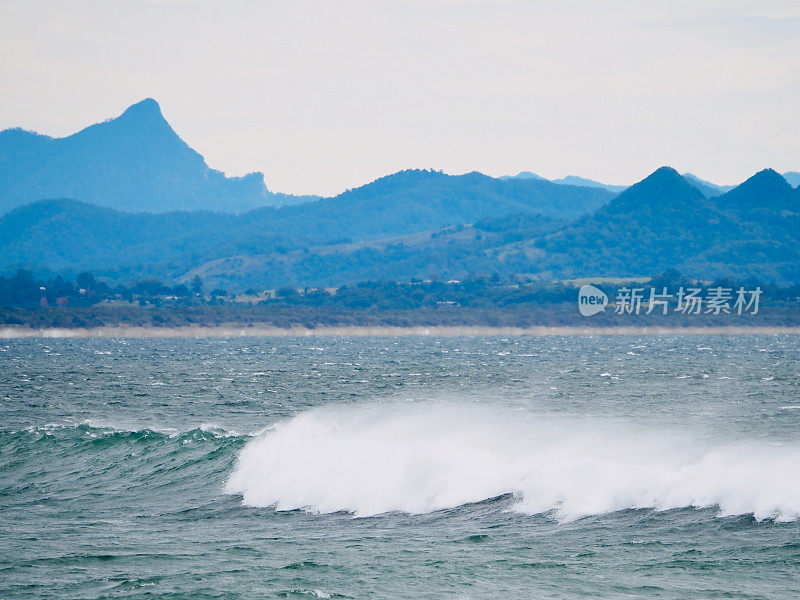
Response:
column 607, row 467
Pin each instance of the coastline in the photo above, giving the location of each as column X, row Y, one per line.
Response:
column 224, row 331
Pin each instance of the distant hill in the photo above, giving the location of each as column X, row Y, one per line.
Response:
column 711, row 189
column 137, row 163
column 125, row 178
column 419, row 200
column 523, row 175
column 766, row 190
column 707, row 188
column 665, row 222
column 582, row 181
column 133, row 163
column 792, row 177
column 650, row 223
column 65, row 235
column 568, row 180
column 661, row 222
column 70, row 236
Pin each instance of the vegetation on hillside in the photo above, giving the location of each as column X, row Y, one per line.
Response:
column 488, row 301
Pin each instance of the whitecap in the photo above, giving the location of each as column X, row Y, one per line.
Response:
column 422, row 457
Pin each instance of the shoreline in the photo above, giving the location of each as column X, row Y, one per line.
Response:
column 224, row 331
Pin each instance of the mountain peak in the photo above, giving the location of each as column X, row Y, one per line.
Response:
column 765, row 182
column 134, row 162
column 523, row 175
column 765, row 189
column 144, row 116
column 664, row 173
column 767, row 177
column 663, row 178
column 664, row 187
column 146, row 109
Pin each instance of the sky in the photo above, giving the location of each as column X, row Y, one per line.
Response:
column 322, row 96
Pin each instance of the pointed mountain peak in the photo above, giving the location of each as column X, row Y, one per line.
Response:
column 663, row 179
column 664, row 187
column 663, row 174
column 144, row 116
column 146, row 109
column 767, row 182
column 765, row 189
column 767, row 178
column 142, row 121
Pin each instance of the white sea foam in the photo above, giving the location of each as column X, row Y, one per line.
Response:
column 101, row 428
column 419, row 458
column 218, row 430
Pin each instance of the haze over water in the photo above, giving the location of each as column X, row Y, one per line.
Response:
column 415, row 467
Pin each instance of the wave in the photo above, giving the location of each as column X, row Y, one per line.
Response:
column 90, row 428
column 418, row 458
column 72, row 461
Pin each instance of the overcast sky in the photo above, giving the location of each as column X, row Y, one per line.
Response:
column 322, row 96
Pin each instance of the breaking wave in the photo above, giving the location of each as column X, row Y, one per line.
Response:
column 417, row 458
column 90, row 429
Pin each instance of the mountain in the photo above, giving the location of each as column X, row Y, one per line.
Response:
column 133, row 163
column 419, row 200
column 665, row 222
column 414, row 223
column 706, row 187
column 793, row 178
column 582, row 181
column 766, row 189
column 523, row 175
column 660, row 223
column 70, row 236
column 427, row 224
column 664, row 199
column 568, row 180
column 66, row 235
column 711, row 189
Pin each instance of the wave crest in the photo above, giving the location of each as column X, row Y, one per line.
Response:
column 91, row 430
column 417, row 458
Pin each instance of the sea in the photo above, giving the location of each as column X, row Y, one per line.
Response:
column 654, row 466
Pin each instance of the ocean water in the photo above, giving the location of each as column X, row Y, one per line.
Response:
column 416, row 467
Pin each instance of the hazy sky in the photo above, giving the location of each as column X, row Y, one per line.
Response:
column 322, row 96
